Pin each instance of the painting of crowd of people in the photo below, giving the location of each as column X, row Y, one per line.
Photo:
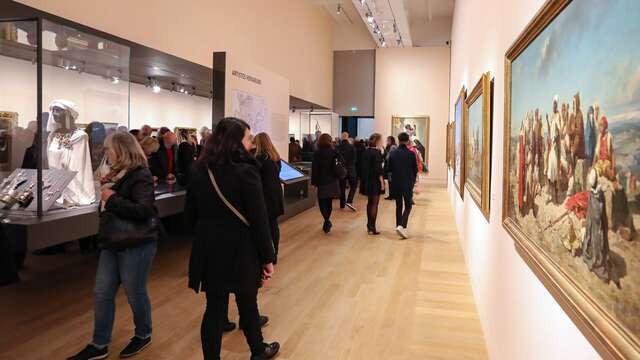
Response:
column 574, row 158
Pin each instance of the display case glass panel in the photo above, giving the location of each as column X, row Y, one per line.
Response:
column 84, row 91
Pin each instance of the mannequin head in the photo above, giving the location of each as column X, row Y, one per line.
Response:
column 64, row 115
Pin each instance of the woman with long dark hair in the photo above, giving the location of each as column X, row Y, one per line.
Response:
column 372, row 181
column 232, row 251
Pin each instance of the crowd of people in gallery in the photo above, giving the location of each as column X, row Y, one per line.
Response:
column 233, row 200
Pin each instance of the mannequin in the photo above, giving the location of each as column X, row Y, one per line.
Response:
column 68, row 149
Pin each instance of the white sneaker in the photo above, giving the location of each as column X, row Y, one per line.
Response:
column 402, row 232
column 350, row 206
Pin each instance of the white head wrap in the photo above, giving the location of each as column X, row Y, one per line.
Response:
column 67, row 105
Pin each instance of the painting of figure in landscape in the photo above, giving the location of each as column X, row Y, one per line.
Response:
column 574, row 158
column 474, row 144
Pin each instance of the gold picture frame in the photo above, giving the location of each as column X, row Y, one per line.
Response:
column 448, row 152
column 607, row 334
column 459, row 114
column 481, row 95
column 423, row 130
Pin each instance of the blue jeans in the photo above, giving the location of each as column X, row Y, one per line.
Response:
column 131, row 268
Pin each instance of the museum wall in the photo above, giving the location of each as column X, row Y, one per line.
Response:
column 415, row 81
column 520, row 318
column 290, row 37
column 168, row 109
column 353, row 82
column 267, row 106
column 97, row 99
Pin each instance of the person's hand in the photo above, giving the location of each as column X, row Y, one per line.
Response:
column 171, row 179
column 267, row 273
column 106, row 194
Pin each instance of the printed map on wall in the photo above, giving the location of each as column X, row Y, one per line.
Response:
column 250, row 108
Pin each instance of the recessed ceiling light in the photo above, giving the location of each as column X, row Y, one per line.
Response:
column 369, row 18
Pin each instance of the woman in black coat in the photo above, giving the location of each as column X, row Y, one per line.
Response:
column 232, row 251
column 269, row 159
column 324, row 178
column 127, row 194
column 372, row 179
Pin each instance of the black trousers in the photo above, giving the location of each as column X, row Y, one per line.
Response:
column 353, row 184
column 216, row 313
column 275, row 235
column 326, row 206
column 405, row 198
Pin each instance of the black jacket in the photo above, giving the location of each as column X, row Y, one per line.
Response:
column 349, row 156
column 159, row 162
column 134, row 198
column 372, row 170
column 227, row 256
column 322, row 167
column 186, row 157
column 134, row 201
column 402, row 169
column 270, row 176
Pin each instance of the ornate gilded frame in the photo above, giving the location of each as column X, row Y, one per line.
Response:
column 461, row 99
column 427, row 130
column 448, row 154
column 607, row 336
column 482, row 90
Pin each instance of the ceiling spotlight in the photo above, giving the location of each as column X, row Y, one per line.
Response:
column 362, row 2
column 339, row 9
column 173, row 87
column 156, row 88
column 376, row 30
column 115, row 79
column 369, row 18
column 399, row 42
column 383, row 43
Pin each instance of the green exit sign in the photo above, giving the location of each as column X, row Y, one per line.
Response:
column 354, row 108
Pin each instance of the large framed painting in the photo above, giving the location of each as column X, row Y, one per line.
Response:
column 449, row 144
column 572, row 162
column 477, row 150
column 458, row 142
column 417, row 126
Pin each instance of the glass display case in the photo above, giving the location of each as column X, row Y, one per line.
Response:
column 63, row 92
column 312, row 122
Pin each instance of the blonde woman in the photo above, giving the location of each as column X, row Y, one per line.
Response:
column 127, row 198
column 269, row 158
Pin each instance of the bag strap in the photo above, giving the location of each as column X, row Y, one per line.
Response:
column 224, row 199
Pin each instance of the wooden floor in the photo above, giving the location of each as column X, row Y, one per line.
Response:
column 345, row 295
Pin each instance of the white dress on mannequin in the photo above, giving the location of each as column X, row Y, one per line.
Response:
column 74, row 156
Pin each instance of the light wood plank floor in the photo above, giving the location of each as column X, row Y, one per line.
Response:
column 342, row 296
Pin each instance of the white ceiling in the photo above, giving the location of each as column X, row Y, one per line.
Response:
column 419, row 22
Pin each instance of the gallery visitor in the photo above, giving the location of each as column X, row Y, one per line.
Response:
column 372, row 184
column 232, row 251
column 348, row 153
column 324, row 177
column 126, row 256
column 404, row 169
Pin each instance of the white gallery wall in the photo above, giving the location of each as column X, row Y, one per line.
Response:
column 520, row 318
column 415, row 81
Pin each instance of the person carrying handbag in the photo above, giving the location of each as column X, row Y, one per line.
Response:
column 232, row 249
column 127, row 238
